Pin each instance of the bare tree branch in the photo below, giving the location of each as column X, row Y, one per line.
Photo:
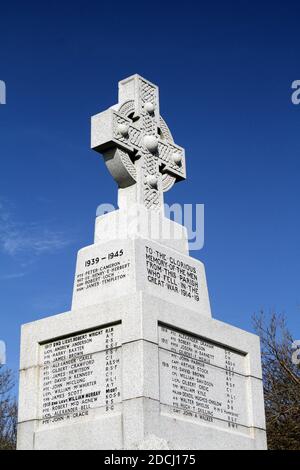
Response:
column 8, row 411
column 281, row 382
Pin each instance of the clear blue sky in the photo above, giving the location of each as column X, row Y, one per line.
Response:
column 224, row 70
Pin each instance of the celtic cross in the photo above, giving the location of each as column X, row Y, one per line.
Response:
column 137, row 145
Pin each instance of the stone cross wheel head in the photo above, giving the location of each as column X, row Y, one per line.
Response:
column 137, row 145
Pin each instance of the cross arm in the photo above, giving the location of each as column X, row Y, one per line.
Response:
column 110, row 129
column 172, row 159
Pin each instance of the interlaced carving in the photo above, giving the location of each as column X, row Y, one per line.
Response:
column 127, row 108
column 145, row 145
column 128, row 164
column 147, row 92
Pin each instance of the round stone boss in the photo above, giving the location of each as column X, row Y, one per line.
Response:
column 149, row 107
column 152, row 181
column 127, row 109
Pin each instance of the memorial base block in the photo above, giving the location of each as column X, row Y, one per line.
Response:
column 139, row 372
column 138, row 362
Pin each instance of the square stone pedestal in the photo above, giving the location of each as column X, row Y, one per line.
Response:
column 137, row 364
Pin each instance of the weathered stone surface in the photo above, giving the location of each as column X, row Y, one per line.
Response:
column 137, row 222
column 117, row 268
column 133, row 341
column 138, row 362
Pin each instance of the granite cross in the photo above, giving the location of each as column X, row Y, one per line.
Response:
column 137, row 145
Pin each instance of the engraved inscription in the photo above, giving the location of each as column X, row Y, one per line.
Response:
column 172, row 274
column 101, row 271
column 202, row 381
column 79, row 374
